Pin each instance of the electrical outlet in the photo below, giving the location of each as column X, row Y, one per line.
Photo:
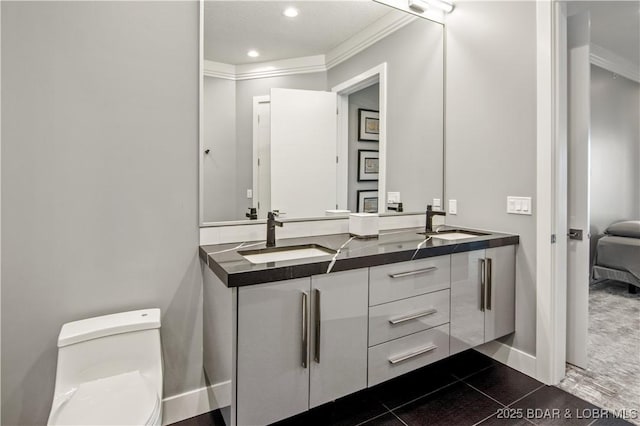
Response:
column 393, row 197
column 249, row 193
column 436, row 203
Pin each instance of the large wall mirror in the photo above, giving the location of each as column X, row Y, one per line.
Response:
column 317, row 108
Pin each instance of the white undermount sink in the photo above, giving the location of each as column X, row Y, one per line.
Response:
column 279, row 254
column 453, row 236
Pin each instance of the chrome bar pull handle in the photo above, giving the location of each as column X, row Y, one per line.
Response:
column 483, row 272
column 318, row 324
column 412, row 354
column 489, row 283
column 417, row 272
column 405, row 318
column 305, row 331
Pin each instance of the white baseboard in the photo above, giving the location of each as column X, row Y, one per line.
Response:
column 193, row 403
column 512, row 357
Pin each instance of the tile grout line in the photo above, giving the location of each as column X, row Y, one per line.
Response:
column 427, row 394
column 373, row 418
column 395, row 415
column 526, row 395
column 474, row 373
column 457, row 380
column 488, row 396
column 486, row 418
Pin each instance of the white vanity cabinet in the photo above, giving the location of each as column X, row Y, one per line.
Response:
column 408, row 316
column 482, row 296
column 300, row 343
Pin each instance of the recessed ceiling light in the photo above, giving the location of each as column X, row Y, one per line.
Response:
column 290, row 12
column 253, row 54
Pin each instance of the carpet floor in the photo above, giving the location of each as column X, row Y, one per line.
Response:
column 612, row 377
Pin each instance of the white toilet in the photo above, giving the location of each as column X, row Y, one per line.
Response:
column 109, row 371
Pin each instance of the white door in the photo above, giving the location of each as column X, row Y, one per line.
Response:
column 579, row 69
column 303, row 152
column 263, row 162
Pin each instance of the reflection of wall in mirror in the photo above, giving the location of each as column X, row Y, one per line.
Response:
column 219, row 194
column 367, row 98
column 415, row 108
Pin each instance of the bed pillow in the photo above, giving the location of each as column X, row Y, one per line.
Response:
column 629, row 228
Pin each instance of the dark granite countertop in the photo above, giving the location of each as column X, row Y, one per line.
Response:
column 391, row 247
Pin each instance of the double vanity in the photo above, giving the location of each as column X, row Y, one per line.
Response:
column 314, row 319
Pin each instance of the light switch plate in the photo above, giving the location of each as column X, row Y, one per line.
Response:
column 453, row 206
column 249, row 193
column 436, row 203
column 519, row 205
column 393, row 197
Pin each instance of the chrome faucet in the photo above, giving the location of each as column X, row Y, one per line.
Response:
column 271, row 228
column 430, row 214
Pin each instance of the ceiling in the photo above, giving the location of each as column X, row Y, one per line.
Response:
column 232, row 28
column 615, row 25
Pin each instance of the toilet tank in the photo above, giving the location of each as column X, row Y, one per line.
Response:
column 108, row 345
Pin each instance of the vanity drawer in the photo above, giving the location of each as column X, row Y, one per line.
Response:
column 407, row 316
column 400, row 356
column 407, row 279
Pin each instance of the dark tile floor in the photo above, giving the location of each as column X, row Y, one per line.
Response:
column 465, row 389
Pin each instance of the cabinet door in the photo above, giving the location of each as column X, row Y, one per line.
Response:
column 272, row 365
column 339, row 313
column 467, row 316
column 500, row 313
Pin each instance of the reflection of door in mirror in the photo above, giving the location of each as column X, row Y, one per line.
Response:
column 294, row 137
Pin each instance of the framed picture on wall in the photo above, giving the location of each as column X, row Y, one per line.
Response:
column 368, row 165
column 368, row 125
column 367, row 201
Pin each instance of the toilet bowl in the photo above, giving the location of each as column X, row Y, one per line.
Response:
column 109, row 371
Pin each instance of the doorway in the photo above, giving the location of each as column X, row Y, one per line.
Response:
column 603, row 319
column 372, row 77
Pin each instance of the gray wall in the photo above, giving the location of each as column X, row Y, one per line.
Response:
column 367, row 98
column 615, row 149
column 246, row 90
column 415, row 99
column 491, row 132
column 219, row 193
column 99, row 183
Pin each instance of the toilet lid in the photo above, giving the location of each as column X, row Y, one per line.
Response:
column 124, row 399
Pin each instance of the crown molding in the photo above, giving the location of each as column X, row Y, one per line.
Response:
column 303, row 65
column 310, row 64
column 610, row 61
column 219, row 70
column 380, row 29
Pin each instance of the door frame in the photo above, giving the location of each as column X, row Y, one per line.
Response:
column 377, row 74
column 551, row 192
column 257, row 100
